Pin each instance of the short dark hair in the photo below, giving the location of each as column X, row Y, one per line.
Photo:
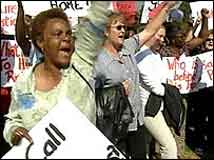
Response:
column 40, row 21
column 175, row 34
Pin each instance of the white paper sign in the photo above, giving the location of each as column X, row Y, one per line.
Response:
column 9, row 9
column 190, row 74
column 8, row 16
column 13, row 62
column 65, row 133
column 73, row 9
column 148, row 7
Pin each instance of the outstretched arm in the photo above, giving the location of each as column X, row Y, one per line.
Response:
column 152, row 27
column 190, row 33
column 203, row 34
column 20, row 30
column 89, row 37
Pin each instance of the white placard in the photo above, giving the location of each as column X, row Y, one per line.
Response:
column 190, row 74
column 77, row 137
column 73, row 9
column 8, row 17
column 13, row 62
column 9, row 9
column 148, row 6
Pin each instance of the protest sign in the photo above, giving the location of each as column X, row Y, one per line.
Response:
column 73, row 9
column 128, row 8
column 152, row 8
column 13, row 62
column 190, row 74
column 148, row 7
column 8, row 17
column 65, row 133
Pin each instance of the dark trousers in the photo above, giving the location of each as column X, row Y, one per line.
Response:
column 138, row 143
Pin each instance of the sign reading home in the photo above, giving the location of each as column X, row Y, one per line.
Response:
column 65, row 133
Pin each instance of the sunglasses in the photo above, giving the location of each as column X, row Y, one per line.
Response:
column 209, row 39
column 119, row 27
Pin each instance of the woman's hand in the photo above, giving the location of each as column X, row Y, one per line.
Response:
column 171, row 4
column 126, row 84
column 18, row 134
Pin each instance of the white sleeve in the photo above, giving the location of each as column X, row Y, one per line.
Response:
column 150, row 75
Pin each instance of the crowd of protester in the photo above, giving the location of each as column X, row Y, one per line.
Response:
column 127, row 56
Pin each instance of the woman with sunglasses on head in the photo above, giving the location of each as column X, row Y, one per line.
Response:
column 116, row 63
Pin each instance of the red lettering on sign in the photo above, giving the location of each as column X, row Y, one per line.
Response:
column 186, row 76
column 22, row 63
column 8, row 22
column 8, row 9
column 8, row 50
column 127, row 8
column 209, row 65
column 210, row 73
column 10, row 75
column 172, row 65
column 182, row 65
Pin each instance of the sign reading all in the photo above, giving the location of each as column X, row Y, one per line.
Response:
column 65, row 133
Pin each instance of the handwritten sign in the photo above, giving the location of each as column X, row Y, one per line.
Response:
column 148, row 7
column 73, row 9
column 128, row 8
column 13, row 62
column 8, row 17
column 65, row 133
column 151, row 8
column 190, row 74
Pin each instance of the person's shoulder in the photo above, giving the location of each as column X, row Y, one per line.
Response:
column 132, row 39
column 23, row 81
column 25, row 75
column 102, row 55
column 145, row 54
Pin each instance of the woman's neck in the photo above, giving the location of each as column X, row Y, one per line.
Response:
column 47, row 77
column 111, row 48
column 51, row 70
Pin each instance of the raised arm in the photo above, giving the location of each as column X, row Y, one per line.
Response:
column 197, row 23
column 89, row 37
column 20, row 31
column 203, row 34
column 152, row 27
column 190, row 33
